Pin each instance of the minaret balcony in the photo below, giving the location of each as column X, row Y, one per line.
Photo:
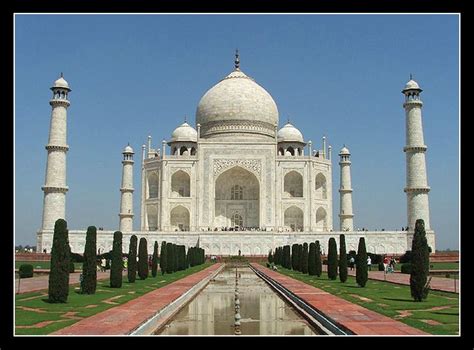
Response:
column 424, row 189
column 126, row 189
column 55, row 103
column 420, row 148
column 345, row 190
column 54, row 189
column 64, row 148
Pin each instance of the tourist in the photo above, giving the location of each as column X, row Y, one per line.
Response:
column 369, row 263
column 385, row 263
column 392, row 265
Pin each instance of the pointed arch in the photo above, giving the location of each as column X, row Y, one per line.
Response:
column 294, row 218
column 180, row 184
column 293, row 184
column 321, row 187
column 179, row 218
column 321, row 219
column 153, row 186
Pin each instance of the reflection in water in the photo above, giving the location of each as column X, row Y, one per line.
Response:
column 212, row 311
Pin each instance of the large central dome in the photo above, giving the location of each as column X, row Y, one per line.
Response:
column 237, row 106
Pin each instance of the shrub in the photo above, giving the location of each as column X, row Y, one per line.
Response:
column 312, row 259
column 304, row 258
column 89, row 266
column 170, row 258
column 420, row 263
column 406, row 258
column 72, row 268
column 116, row 267
column 342, row 259
column 78, row 257
column 362, row 274
column 319, row 266
column 142, row 259
column 154, row 261
column 58, row 287
column 405, row 268
column 132, row 259
column 270, row 257
column 294, row 257
column 163, row 258
column 375, row 258
column 286, row 257
column 25, row 271
column 381, row 267
column 332, row 259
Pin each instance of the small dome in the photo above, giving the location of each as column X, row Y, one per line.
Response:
column 289, row 133
column 128, row 149
column 344, row 151
column 412, row 85
column 184, row 132
column 61, row 83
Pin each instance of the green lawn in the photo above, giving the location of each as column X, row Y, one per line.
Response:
column 393, row 301
column 39, row 311
column 43, row 264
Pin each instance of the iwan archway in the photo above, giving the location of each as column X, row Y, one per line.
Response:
column 237, row 195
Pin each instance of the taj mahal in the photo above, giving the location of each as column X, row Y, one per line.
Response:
column 235, row 182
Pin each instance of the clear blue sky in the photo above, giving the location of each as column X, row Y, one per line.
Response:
column 335, row 75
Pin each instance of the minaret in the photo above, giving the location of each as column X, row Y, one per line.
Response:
column 345, row 190
column 55, row 188
column 126, row 201
column 417, row 184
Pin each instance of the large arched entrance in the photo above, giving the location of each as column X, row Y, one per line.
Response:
column 237, row 194
column 321, row 220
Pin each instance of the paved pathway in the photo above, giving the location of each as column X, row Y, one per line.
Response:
column 437, row 283
column 352, row 316
column 125, row 318
column 35, row 284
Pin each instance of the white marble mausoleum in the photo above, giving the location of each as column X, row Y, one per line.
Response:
column 235, row 181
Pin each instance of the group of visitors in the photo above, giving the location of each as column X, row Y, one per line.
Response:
column 388, row 263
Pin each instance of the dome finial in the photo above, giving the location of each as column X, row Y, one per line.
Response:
column 237, row 60
column 62, row 75
column 288, row 120
column 411, row 76
column 185, row 119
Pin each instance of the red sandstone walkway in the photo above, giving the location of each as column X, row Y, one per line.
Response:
column 125, row 318
column 437, row 283
column 35, row 284
column 352, row 316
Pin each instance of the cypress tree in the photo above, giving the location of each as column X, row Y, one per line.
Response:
column 270, row 257
column 169, row 258
column 332, row 259
column 142, row 259
column 175, row 261
column 154, row 262
column 116, row 267
column 89, row 266
column 163, row 257
column 420, row 263
column 132, row 259
column 294, row 256
column 342, row 259
column 182, row 257
column 58, row 288
column 318, row 262
column 299, row 250
column 312, row 259
column 361, row 263
column 286, row 257
column 304, row 258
